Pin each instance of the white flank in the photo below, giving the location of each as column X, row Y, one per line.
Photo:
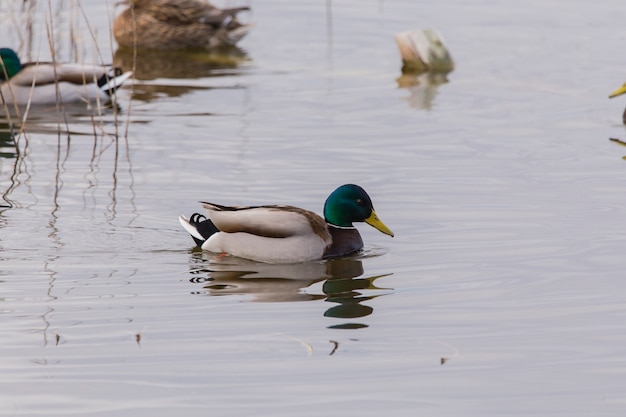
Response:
column 269, row 250
column 20, row 90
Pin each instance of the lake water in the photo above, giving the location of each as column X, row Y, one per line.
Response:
column 503, row 292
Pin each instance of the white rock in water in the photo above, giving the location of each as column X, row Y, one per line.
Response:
column 423, row 50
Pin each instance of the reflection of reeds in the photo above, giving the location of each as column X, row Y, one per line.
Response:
column 64, row 26
column 36, row 168
column 3, row 142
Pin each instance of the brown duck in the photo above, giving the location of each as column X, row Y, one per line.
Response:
column 177, row 24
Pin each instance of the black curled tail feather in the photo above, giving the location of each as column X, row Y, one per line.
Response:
column 107, row 76
column 105, row 82
column 204, row 226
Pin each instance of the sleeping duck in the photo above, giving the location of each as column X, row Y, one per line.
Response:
column 177, row 24
column 286, row 234
column 48, row 83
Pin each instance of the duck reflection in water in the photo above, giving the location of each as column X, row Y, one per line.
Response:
column 340, row 280
column 7, row 141
column 178, row 64
column 9, row 152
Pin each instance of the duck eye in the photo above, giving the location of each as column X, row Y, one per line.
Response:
column 359, row 201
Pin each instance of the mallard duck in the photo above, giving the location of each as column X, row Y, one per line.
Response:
column 47, row 82
column 177, row 24
column 286, row 234
column 619, row 92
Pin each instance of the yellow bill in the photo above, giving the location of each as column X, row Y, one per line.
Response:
column 619, row 91
column 375, row 222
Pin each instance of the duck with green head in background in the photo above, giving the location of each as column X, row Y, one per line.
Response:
column 49, row 82
column 286, row 234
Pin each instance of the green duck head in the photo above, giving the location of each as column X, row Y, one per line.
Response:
column 350, row 203
column 9, row 64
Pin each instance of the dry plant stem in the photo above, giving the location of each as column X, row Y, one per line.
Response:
column 59, row 104
column 114, row 96
column 16, row 25
column 16, row 125
column 134, row 67
column 4, row 101
column 12, row 124
column 73, row 43
column 6, row 76
column 99, row 105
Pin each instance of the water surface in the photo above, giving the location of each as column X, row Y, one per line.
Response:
column 501, row 294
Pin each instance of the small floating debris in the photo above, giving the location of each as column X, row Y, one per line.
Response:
column 335, row 346
column 423, row 50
